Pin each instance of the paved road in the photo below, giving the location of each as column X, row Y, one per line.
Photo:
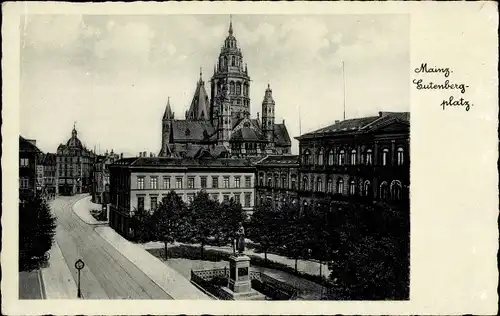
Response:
column 29, row 285
column 107, row 273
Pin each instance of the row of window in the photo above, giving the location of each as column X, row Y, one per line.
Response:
column 283, row 183
column 364, row 188
column 341, row 158
column 23, row 183
column 153, row 182
column 25, row 162
column 153, row 202
column 237, row 88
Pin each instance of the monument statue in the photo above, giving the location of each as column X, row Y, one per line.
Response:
column 240, row 239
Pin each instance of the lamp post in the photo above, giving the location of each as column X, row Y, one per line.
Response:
column 79, row 264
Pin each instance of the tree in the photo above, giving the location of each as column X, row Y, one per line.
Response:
column 167, row 219
column 36, row 231
column 203, row 218
column 229, row 218
column 263, row 227
column 293, row 230
column 144, row 228
column 372, row 261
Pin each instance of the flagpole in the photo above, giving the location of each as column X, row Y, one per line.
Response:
column 300, row 122
column 343, row 80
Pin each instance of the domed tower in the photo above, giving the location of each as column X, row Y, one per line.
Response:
column 230, row 68
column 268, row 115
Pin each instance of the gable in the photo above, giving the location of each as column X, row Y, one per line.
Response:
column 246, row 123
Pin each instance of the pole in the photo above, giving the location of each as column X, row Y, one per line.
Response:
column 300, row 122
column 343, row 81
column 79, row 294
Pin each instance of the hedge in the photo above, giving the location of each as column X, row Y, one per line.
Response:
column 193, row 253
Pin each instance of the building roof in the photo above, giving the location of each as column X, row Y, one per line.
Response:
column 196, row 151
column 49, row 159
column 187, row 131
column 164, row 162
column 28, row 145
column 200, row 103
column 281, row 137
column 359, row 125
column 281, row 160
column 247, row 134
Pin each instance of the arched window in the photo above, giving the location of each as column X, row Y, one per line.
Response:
column 320, row 157
column 400, row 156
column 329, row 187
column 319, row 185
column 238, row 88
column 225, row 62
column 269, row 180
column 383, row 194
column 367, row 188
column 341, row 157
column 294, row 182
column 284, row 183
column 352, row 187
column 396, row 190
column 231, row 87
column 245, row 89
column 276, row 181
column 330, row 158
column 305, row 184
column 353, row 157
column 307, row 157
column 233, row 61
column 369, row 157
column 385, row 157
column 340, row 186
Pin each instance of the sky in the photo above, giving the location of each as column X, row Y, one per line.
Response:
column 113, row 74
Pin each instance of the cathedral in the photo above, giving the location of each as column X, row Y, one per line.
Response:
column 219, row 125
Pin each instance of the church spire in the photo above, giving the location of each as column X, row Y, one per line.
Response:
column 168, row 115
column 201, row 74
column 230, row 24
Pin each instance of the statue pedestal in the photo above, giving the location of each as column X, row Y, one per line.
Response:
column 240, row 285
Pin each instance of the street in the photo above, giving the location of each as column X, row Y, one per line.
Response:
column 107, row 273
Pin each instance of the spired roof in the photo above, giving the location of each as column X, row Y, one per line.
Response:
column 200, row 103
column 168, row 115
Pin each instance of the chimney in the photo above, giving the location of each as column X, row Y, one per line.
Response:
column 32, row 141
column 145, row 154
column 121, row 156
column 283, row 121
column 337, row 121
column 150, row 155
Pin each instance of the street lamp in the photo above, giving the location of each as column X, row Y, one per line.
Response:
column 79, row 264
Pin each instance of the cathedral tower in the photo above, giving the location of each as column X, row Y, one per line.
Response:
column 168, row 116
column 224, row 122
column 231, row 69
column 268, row 115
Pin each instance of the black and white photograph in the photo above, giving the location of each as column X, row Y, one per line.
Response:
column 221, row 156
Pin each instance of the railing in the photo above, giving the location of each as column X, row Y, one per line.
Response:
column 210, row 288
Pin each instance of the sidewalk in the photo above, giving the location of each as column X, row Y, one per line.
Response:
column 305, row 266
column 57, row 278
column 82, row 209
column 171, row 281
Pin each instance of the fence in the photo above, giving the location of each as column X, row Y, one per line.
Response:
column 203, row 278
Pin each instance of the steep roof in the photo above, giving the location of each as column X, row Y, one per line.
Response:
column 247, row 134
column 185, row 131
column 27, row 145
column 200, row 103
column 195, row 151
column 281, row 137
column 360, row 125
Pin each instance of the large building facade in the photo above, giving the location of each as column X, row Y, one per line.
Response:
column 221, row 123
column 74, row 167
column 277, row 179
column 357, row 159
column 100, row 176
column 140, row 184
column 28, row 161
column 49, row 174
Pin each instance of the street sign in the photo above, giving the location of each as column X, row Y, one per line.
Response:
column 79, row 264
